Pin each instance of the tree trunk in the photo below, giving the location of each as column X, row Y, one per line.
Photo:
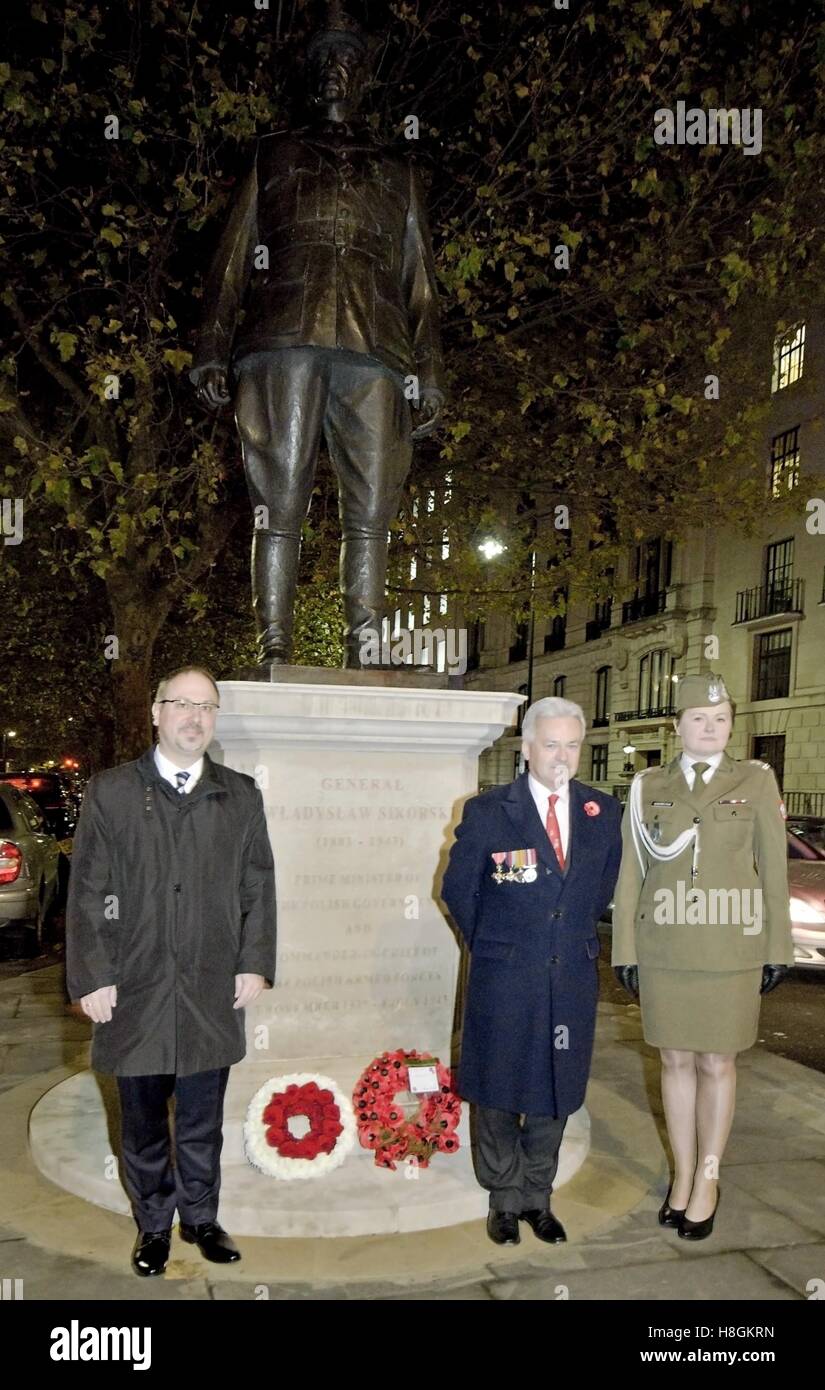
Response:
column 139, row 615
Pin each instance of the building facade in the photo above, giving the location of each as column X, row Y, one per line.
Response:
column 752, row 608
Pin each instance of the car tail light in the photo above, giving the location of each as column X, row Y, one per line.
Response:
column 11, row 862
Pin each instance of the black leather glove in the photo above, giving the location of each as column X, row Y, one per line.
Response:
column 628, row 977
column 772, row 975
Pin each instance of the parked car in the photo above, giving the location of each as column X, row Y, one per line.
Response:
column 806, row 881
column 812, row 827
column 806, row 877
column 29, row 864
column 54, row 795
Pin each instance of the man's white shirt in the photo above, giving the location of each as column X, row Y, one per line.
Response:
column 541, row 796
column 167, row 770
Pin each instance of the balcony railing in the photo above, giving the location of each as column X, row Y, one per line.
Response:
column 784, row 596
column 652, row 712
column 805, row 803
column 554, row 641
column 646, row 606
column 596, row 628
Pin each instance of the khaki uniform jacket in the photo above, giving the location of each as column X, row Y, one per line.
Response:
column 742, row 845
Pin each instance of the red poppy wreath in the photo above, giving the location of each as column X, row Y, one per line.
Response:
column 382, row 1124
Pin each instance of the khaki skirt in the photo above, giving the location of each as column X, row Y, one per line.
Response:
column 700, row 1010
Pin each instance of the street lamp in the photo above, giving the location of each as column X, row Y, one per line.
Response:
column 628, row 750
column 491, row 548
column 7, row 733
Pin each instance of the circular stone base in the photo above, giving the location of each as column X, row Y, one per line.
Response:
column 74, row 1140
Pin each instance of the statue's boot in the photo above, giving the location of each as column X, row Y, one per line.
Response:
column 275, row 557
column 363, row 579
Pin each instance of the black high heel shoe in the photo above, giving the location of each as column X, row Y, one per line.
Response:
column 668, row 1215
column 700, row 1230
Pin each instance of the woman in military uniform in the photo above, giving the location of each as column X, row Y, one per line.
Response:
column 701, row 928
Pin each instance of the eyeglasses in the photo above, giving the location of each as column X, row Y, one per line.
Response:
column 187, row 706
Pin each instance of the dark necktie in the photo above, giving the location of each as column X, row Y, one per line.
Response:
column 552, row 827
column 182, row 778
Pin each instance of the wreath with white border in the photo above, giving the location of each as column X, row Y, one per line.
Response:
column 272, row 1148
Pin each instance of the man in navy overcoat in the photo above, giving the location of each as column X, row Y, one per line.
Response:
column 531, row 871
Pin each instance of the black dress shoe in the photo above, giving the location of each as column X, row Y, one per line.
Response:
column 502, row 1227
column 668, row 1215
column 212, row 1241
column 699, row 1230
column 545, row 1226
column 151, row 1252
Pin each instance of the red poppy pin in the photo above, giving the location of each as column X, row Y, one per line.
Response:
column 592, row 808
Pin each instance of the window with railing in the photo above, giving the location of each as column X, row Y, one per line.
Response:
column 652, row 571
column 559, row 687
column 784, row 461
column 788, row 356
column 779, row 571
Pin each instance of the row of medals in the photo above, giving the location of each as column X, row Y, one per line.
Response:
column 521, row 866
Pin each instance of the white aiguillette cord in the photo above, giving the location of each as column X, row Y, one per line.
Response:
column 641, row 838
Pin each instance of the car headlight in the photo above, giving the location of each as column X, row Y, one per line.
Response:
column 806, row 912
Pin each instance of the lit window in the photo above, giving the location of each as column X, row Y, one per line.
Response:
column 784, row 462
column 788, row 354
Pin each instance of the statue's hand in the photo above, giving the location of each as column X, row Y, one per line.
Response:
column 430, row 408
column 212, row 388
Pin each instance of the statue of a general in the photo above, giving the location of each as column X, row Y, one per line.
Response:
column 321, row 318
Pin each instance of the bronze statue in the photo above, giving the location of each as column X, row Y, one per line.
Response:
column 321, row 318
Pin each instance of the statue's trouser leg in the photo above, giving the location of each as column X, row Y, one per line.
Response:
column 367, row 428
column 279, row 412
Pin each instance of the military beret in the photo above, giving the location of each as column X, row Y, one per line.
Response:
column 696, row 692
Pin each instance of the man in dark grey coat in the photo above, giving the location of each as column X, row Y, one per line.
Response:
column 170, row 935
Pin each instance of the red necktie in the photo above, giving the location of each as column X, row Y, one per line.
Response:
column 553, row 832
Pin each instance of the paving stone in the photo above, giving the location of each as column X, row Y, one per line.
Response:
column 47, row 1275
column 44, row 1028
column 729, row 1277
column 795, row 1188
column 348, row 1293
column 29, row 1058
column 801, row 1266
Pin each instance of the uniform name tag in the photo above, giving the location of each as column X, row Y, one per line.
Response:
column 732, row 802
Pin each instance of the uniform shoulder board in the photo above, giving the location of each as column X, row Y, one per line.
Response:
column 757, row 762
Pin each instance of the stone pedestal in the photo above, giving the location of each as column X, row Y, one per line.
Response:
column 362, row 785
